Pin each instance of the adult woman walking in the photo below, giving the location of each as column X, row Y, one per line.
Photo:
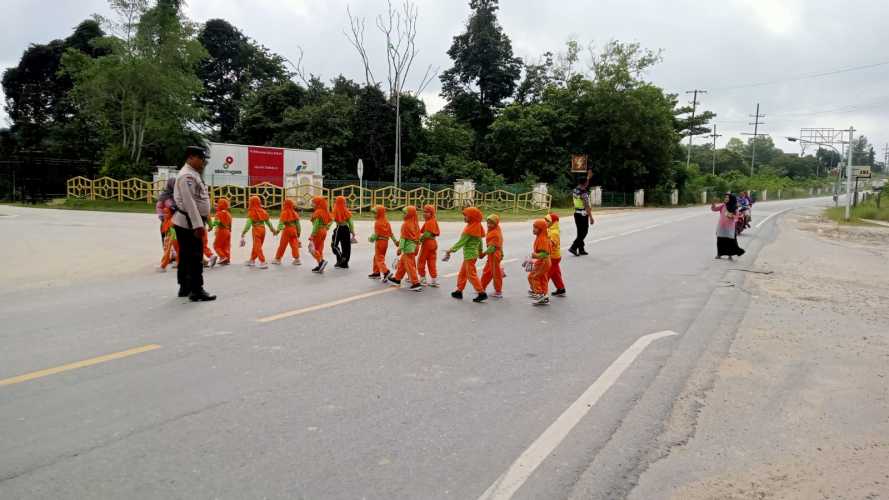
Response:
column 726, row 241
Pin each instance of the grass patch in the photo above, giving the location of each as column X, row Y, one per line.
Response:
column 866, row 210
column 147, row 208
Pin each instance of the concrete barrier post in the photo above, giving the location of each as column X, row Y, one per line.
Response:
column 639, row 198
column 674, row 197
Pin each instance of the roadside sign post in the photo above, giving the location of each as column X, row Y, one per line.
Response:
column 360, row 184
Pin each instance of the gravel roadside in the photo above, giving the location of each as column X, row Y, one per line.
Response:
column 799, row 409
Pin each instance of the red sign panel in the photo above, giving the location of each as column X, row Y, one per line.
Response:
column 266, row 165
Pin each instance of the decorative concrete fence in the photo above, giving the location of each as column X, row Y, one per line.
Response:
column 357, row 198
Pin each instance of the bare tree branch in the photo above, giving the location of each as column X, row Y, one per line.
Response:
column 298, row 69
column 358, row 26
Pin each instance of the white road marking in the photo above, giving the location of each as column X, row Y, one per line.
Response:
column 770, row 216
column 507, row 484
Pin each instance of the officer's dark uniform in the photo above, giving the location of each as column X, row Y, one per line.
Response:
column 192, row 201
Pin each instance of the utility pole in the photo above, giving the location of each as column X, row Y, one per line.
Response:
column 714, row 136
column 756, row 123
column 691, row 127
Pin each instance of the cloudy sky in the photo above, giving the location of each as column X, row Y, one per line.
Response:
column 723, row 46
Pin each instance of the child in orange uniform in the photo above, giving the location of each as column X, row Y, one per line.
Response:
column 540, row 263
column 380, row 239
column 471, row 243
column 288, row 226
column 257, row 219
column 407, row 249
column 321, row 220
column 494, row 254
column 222, row 223
column 171, row 246
column 555, row 270
column 428, row 247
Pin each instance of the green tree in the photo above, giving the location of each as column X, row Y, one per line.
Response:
column 145, row 90
column 37, row 101
column 485, row 72
column 234, row 67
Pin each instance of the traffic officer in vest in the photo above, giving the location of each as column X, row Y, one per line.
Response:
column 192, row 210
column 583, row 215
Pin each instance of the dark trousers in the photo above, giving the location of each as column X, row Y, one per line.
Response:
column 191, row 260
column 583, row 228
column 341, row 244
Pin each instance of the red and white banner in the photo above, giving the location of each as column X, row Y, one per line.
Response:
column 265, row 165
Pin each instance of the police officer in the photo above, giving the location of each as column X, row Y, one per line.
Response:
column 192, row 210
column 583, row 215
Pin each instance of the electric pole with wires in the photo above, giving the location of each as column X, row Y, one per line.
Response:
column 691, row 126
column 714, row 136
column 756, row 123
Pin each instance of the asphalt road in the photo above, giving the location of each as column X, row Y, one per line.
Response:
column 294, row 385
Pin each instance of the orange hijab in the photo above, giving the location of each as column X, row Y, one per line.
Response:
column 341, row 213
column 321, row 212
column 382, row 228
column 168, row 220
column 541, row 243
column 255, row 210
column 430, row 223
column 474, row 225
column 288, row 212
column 494, row 236
column 410, row 228
column 222, row 214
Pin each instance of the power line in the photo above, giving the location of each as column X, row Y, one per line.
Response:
column 691, row 125
column 803, row 77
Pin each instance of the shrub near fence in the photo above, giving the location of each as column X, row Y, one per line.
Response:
column 391, row 197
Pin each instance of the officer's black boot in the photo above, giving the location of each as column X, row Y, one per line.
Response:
column 201, row 296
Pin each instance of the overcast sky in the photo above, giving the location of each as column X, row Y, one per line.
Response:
column 709, row 45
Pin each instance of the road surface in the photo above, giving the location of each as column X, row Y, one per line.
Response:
column 294, row 385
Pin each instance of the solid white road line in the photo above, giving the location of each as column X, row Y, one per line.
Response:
column 507, row 484
column 773, row 215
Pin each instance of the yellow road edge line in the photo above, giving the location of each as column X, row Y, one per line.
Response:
column 79, row 364
column 327, row 305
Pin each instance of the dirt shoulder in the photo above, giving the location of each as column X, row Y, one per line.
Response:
column 799, row 409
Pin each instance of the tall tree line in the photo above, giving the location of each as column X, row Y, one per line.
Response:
column 130, row 91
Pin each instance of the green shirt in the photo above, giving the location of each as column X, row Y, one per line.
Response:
column 472, row 246
column 250, row 224
column 317, row 225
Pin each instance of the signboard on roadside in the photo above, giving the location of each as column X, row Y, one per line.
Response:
column 861, row 172
column 579, row 164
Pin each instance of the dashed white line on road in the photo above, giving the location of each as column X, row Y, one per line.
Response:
column 518, row 473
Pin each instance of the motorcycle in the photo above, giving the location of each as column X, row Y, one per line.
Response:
column 742, row 221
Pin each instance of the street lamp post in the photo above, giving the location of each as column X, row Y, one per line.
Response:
column 849, row 175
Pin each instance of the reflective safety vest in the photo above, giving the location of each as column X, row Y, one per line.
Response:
column 578, row 200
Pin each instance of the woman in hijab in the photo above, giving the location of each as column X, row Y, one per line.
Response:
column 726, row 240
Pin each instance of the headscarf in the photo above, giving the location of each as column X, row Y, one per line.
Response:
column 288, row 212
column 474, row 225
column 431, row 223
column 494, row 236
column 341, row 213
column 732, row 205
column 321, row 212
column 255, row 210
column 410, row 228
column 555, row 234
column 222, row 204
column 168, row 220
column 541, row 243
column 382, row 228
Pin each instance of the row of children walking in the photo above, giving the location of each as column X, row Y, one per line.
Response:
column 416, row 248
